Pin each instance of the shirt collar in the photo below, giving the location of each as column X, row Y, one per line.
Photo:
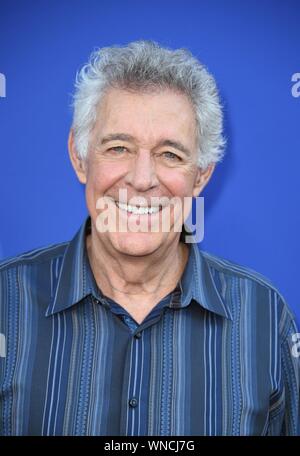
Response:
column 198, row 284
column 76, row 281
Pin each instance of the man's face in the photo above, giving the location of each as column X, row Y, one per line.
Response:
column 143, row 144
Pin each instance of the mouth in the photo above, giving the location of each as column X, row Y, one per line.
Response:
column 138, row 210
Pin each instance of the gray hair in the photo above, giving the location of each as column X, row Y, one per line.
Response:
column 146, row 66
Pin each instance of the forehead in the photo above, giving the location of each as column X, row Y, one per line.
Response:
column 146, row 115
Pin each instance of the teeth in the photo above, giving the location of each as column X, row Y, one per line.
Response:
column 138, row 210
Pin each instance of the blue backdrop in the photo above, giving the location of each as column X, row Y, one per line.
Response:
column 252, row 48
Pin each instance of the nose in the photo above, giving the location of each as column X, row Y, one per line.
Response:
column 142, row 174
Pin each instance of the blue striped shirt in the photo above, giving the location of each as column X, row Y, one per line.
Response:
column 214, row 357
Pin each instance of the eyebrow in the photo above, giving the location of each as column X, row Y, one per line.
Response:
column 166, row 142
column 116, row 137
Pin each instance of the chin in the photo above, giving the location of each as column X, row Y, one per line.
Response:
column 137, row 244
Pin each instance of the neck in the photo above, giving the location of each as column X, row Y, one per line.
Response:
column 122, row 277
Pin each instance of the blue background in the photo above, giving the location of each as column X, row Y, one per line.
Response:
column 251, row 47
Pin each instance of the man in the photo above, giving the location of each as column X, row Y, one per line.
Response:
column 129, row 329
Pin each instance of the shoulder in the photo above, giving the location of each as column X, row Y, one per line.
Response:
column 33, row 257
column 250, row 287
column 235, row 270
column 26, row 285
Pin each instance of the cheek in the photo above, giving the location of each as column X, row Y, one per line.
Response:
column 101, row 178
column 178, row 183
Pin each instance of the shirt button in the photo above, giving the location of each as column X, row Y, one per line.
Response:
column 138, row 335
column 133, row 402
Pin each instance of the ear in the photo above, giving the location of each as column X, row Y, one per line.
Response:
column 202, row 178
column 77, row 163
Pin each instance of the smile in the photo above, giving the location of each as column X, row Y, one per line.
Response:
column 138, row 210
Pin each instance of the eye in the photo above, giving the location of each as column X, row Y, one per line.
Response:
column 171, row 156
column 118, row 149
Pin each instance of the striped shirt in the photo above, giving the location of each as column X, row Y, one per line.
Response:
column 214, row 357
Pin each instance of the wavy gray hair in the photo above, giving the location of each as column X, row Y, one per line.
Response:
column 146, row 66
